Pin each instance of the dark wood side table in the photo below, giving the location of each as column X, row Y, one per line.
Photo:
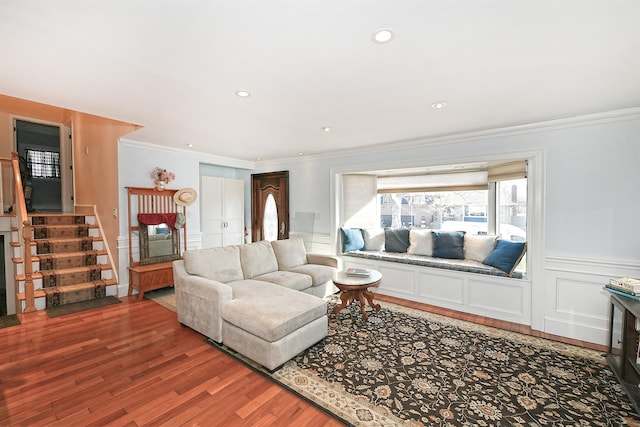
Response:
column 623, row 345
column 356, row 288
column 150, row 277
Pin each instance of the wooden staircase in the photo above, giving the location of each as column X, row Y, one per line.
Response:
column 69, row 261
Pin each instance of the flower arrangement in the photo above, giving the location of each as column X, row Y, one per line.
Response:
column 161, row 177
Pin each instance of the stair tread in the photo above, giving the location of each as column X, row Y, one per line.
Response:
column 39, row 293
column 32, row 214
column 64, row 225
column 67, row 239
column 17, row 260
column 38, row 274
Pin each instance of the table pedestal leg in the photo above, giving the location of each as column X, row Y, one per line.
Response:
column 361, row 295
column 345, row 297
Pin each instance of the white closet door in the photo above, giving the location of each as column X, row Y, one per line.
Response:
column 233, row 212
column 211, row 211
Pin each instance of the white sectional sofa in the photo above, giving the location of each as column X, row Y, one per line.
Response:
column 262, row 299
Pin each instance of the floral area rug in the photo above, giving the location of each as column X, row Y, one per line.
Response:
column 410, row 367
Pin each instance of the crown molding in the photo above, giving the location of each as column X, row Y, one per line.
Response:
column 199, row 156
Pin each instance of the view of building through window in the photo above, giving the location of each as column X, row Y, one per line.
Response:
column 468, row 211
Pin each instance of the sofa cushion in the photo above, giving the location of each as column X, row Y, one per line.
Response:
column 287, row 279
column 448, row 244
column 270, row 311
column 257, row 258
column 290, row 253
column 477, row 248
column 420, row 242
column 220, row 264
column 396, row 239
column 506, row 255
column 373, row 239
column 319, row 273
column 352, row 239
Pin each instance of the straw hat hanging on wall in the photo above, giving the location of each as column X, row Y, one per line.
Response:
column 185, row 196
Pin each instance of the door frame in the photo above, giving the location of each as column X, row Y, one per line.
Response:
column 66, row 156
column 276, row 183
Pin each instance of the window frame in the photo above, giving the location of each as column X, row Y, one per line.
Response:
column 48, row 161
column 536, row 205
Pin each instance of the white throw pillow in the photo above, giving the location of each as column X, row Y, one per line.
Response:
column 477, row 248
column 420, row 242
column 373, row 239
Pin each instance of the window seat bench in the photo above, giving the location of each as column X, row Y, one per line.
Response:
column 465, row 265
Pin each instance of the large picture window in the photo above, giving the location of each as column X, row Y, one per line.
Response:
column 43, row 164
column 487, row 202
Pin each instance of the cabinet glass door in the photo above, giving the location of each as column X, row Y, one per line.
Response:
column 616, row 335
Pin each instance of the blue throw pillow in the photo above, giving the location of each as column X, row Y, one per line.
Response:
column 506, row 255
column 352, row 239
column 396, row 239
column 448, row 244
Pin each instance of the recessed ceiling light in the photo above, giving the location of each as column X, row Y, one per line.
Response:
column 190, row 145
column 243, row 93
column 439, row 105
column 258, row 158
column 300, row 153
column 325, row 129
column 383, row 35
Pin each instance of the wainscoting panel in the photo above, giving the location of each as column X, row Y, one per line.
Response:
column 399, row 280
column 438, row 288
column 576, row 306
column 511, row 298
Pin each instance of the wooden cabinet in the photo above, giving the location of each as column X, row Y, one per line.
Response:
column 623, row 345
column 147, row 278
column 222, row 210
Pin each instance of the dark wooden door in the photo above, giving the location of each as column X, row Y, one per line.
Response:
column 270, row 206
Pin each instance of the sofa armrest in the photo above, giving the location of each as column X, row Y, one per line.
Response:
column 199, row 301
column 331, row 261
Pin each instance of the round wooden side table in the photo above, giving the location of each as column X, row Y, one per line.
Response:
column 356, row 288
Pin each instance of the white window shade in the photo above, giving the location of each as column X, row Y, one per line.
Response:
column 360, row 207
column 455, row 181
column 508, row 171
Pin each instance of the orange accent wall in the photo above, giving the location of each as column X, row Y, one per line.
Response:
column 95, row 156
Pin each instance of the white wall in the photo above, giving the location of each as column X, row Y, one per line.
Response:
column 590, row 194
column 591, row 198
column 592, row 180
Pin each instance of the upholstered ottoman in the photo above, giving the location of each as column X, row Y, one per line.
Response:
column 271, row 324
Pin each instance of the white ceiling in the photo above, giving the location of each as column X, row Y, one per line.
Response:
column 173, row 66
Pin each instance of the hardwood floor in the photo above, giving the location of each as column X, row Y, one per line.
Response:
column 133, row 364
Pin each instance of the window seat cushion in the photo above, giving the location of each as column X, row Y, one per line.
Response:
column 465, row 265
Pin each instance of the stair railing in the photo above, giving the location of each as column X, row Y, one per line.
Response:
column 25, row 233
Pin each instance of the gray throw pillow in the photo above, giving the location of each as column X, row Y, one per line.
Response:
column 396, row 239
column 448, row 244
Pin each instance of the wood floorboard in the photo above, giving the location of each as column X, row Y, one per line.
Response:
column 132, row 364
